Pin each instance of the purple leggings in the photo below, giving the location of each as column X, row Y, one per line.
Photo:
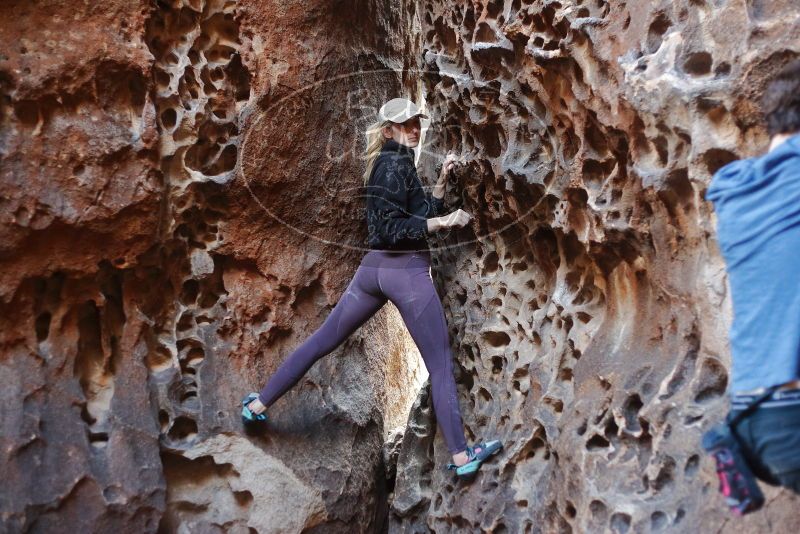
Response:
column 404, row 278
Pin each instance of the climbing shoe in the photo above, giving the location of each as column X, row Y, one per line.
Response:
column 248, row 417
column 475, row 459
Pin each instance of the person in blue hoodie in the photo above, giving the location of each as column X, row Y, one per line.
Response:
column 757, row 202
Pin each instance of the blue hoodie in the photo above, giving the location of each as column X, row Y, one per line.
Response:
column 757, row 201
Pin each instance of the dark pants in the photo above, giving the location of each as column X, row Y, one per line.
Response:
column 404, row 278
column 770, row 439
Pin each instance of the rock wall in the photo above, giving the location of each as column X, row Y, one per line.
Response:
column 145, row 288
column 588, row 300
column 178, row 214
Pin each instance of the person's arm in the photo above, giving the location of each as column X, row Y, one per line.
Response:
column 436, row 196
column 436, row 203
column 389, row 217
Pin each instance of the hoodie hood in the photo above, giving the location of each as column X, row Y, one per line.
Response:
column 745, row 175
column 755, row 199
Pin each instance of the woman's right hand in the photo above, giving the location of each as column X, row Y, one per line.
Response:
column 456, row 219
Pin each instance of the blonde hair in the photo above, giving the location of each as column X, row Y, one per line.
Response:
column 375, row 141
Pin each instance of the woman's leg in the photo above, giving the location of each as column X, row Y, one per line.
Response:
column 411, row 289
column 358, row 303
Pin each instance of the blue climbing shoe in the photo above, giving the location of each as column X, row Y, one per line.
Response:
column 248, row 417
column 475, row 459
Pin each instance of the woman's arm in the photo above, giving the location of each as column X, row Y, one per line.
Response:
column 436, row 203
column 436, row 197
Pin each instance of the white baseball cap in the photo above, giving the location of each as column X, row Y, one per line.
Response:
column 399, row 110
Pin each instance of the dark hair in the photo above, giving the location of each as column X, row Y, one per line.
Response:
column 781, row 101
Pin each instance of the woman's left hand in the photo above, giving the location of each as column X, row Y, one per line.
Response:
column 447, row 166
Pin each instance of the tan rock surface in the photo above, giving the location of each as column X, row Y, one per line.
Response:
column 266, row 494
column 144, row 290
column 179, row 211
column 588, row 298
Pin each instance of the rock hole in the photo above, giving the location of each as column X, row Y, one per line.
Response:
column 183, row 429
column 716, row 158
column 169, row 117
column 533, row 446
column 496, row 339
column 188, row 395
column 687, row 364
column 611, row 429
column 661, row 23
column 665, row 476
column 598, row 510
column 520, row 372
column 519, row 266
column 27, row 112
column 98, row 439
column 662, row 149
column 194, row 357
column 208, row 300
column 485, row 34
column 493, row 139
column 497, row 364
column 597, row 442
column 658, row 521
column 571, row 511
column 692, row 419
column 243, row 498
column 698, row 63
column 630, row 410
column 42, row 326
column 557, row 404
column 93, row 370
column 581, row 430
column 163, row 420
column 468, row 380
column 159, row 359
column 163, row 79
column 711, row 382
column 620, row 522
column 186, row 322
column 692, row 465
column 678, row 182
column 723, row 69
column 189, row 292
column 536, row 339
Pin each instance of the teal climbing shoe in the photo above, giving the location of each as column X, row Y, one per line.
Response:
column 475, row 459
column 248, row 417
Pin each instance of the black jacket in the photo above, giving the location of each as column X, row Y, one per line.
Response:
column 397, row 206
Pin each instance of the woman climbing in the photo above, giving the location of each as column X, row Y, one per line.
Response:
column 397, row 267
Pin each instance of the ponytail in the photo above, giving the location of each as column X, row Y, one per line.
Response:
column 375, row 141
